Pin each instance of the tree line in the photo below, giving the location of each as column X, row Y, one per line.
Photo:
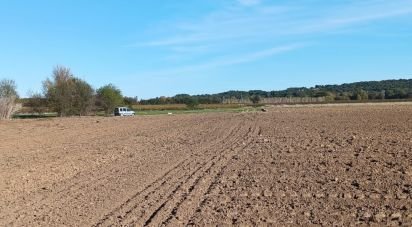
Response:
column 68, row 95
column 65, row 94
column 370, row 90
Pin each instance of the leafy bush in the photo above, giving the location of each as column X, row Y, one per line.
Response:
column 108, row 97
column 255, row 99
column 37, row 103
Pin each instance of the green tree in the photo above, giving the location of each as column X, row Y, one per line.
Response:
column 130, row 101
column 83, row 97
column 191, row 103
column 360, row 94
column 108, row 97
column 255, row 99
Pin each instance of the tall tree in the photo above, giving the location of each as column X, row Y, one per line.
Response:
column 66, row 94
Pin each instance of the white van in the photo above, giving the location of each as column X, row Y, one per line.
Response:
column 123, row 111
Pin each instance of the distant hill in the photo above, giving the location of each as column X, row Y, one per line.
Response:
column 386, row 89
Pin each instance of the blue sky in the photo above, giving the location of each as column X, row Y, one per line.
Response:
column 150, row 48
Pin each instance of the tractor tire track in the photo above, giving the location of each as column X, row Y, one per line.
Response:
column 92, row 181
column 179, row 205
column 164, row 184
column 192, row 201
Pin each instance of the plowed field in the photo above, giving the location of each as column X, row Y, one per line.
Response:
column 338, row 165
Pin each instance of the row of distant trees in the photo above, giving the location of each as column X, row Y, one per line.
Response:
column 69, row 95
column 65, row 94
column 370, row 90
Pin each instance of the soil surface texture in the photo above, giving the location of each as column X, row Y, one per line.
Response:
column 328, row 165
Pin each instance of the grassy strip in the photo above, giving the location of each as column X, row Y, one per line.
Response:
column 196, row 111
column 184, row 107
column 237, row 109
column 34, row 116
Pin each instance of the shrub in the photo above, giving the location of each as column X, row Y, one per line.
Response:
column 108, row 97
column 8, row 96
column 255, row 99
column 37, row 103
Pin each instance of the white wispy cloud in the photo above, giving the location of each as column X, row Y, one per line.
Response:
column 236, row 30
column 271, row 21
column 226, row 60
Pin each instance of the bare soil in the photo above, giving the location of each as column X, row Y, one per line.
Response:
column 332, row 165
